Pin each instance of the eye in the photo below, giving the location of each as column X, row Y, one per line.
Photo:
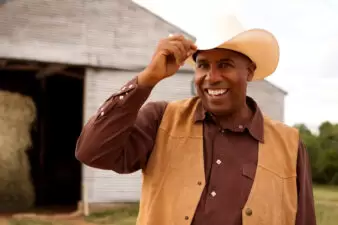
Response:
column 202, row 65
column 224, row 65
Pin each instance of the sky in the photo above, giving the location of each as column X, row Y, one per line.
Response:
column 307, row 31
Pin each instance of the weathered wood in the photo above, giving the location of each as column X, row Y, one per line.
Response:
column 21, row 67
column 102, row 33
column 3, row 63
column 50, row 70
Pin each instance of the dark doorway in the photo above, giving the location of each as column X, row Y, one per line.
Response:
column 55, row 173
column 60, row 124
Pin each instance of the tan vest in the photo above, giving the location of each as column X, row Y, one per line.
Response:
column 174, row 178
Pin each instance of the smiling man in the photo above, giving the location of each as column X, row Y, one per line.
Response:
column 211, row 159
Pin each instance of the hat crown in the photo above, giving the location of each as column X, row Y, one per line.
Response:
column 217, row 30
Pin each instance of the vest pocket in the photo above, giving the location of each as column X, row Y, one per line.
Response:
column 265, row 199
column 247, row 179
column 249, row 170
column 290, row 198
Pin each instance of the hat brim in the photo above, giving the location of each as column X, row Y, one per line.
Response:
column 258, row 44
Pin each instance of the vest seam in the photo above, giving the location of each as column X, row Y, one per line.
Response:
column 282, row 208
column 275, row 173
column 158, row 189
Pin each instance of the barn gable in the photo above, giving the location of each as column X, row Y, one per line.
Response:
column 100, row 33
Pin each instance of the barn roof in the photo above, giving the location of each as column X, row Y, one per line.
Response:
column 110, row 34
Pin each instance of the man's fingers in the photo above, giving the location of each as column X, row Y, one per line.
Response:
column 175, row 50
column 183, row 53
column 192, row 45
column 176, row 37
column 189, row 45
column 179, row 47
column 182, row 50
column 178, row 52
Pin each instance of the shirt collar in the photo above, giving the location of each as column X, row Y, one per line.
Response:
column 255, row 125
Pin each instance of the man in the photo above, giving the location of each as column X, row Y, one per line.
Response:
column 211, row 159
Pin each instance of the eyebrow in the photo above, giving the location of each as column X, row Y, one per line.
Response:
column 221, row 60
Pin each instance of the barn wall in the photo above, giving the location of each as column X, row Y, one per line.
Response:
column 269, row 98
column 104, row 33
column 107, row 186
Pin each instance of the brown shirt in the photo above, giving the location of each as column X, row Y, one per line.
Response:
column 121, row 136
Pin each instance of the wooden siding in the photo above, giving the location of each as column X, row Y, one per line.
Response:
column 100, row 33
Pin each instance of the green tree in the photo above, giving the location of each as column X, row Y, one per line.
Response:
column 312, row 145
column 323, row 152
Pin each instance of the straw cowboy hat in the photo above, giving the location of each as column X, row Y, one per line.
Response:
column 258, row 44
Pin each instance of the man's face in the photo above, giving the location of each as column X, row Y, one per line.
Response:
column 221, row 78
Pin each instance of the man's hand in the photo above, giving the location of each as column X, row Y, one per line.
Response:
column 169, row 56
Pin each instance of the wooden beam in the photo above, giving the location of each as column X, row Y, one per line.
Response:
column 20, row 67
column 72, row 74
column 3, row 63
column 50, row 70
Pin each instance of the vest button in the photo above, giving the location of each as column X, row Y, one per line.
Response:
column 186, row 217
column 199, row 183
column 248, row 212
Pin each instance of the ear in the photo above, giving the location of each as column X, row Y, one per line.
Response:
column 251, row 71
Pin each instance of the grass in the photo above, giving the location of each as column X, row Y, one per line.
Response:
column 326, row 205
column 326, row 199
column 120, row 216
column 326, row 210
column 34, row 222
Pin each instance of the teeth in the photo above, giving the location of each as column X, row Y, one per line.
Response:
column 216, row 92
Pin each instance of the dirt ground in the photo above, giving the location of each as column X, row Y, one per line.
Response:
column 78, row 221
column 44, row 221
column 74, row 218
column 117, row 216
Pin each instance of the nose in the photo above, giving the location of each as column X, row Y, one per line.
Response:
column 214, row 74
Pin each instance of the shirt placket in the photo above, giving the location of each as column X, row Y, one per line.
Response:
column 214, row 162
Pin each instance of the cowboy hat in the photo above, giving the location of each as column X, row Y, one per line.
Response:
column 258, row 44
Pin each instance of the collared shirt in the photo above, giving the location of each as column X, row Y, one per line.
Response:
column 121, row 137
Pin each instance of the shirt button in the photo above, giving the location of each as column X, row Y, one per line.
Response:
column 130, row 86
column 102, row 113
column 121, row 97
column 218, row 161
column 213, row 194
column 240, row 126
column 248, row 212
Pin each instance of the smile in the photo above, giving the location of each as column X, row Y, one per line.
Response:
column 216, row 92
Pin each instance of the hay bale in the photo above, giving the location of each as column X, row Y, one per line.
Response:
column 17, row 114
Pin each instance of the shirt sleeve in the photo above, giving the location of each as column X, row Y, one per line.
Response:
column 306, row 208
column 120, row 136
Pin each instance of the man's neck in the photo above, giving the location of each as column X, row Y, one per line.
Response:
column 241, row 116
